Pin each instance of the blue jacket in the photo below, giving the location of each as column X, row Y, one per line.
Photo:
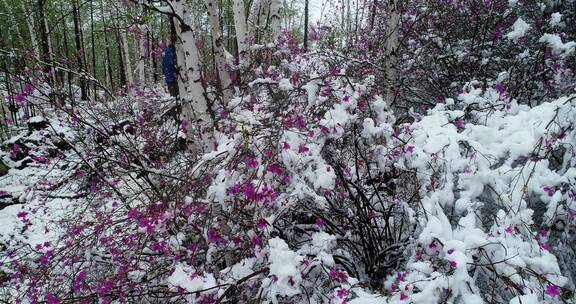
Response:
column 169, row 64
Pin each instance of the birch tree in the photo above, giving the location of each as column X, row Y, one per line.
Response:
column 391, row 50
column 46, row 43
column 257, row 20
column 275, row 20
column 79, row 50
column 219, row 51
column 127, row 62
column 141, row 66
column 240, row 27
column 194, row 105
column 30, row 25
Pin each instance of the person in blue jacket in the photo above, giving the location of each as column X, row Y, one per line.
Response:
column 169, row 69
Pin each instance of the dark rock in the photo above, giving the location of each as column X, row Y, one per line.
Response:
column 37, row 123
column 24, row 163
column 3, row 168
column 6, row 200
column 62, row 145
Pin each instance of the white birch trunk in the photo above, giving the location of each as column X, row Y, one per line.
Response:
column 149, row 46
column 219, row 52
column 127, row 63
column 141, row 66
column 258, row 18
column 253, row 18
column 275, row 20
column 264, row 12
column 30, row 25
column 194, row 107
column 178, row 7
column 240, row 28
column 391, row 50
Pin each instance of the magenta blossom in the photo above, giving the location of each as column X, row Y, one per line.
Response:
column 549, row 190
column 342, row 293
column 251, row 163
column 409, row 149
column 552, row 291
column 303, row 149
column 51, row 299
column 261, row 224
column 214, row 237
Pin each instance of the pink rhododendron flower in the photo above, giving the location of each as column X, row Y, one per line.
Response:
column 544, row 246
column 132, row 213
column 261, row 224
column 256, row 241
column 552, row 291
column 342, row 293
column 214, row 237
column 51, row 299
column 251, row 163
column 549, row 190
column 303, row 149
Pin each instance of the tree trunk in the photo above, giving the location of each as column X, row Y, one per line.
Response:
column 46, row 47
column 128, row 64
column 79, row 51
column 240, row 28
column 151, row 45
column 391, row 51
column 373, row 9
column 66, row 50
column 219, row 52
column 108, row 62
column 121, row 70
column 30, row 25
column 275, row 19
column 94, row 72
column 306, row 4
column 141, row 66
column 194, row 105
column 258, row 18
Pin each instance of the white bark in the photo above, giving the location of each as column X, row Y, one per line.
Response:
column 391, row 50
column 240, row 28
column 219, row 52
column 141, row 66
column 258, row 17
column 263, row 13
column 253, row 17
column 194, row 107
column 149, row 45
column 127, row 63
column 275, row 20
column 30, row 24
column 178, row 8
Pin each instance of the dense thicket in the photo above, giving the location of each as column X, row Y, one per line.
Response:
column 386, row 152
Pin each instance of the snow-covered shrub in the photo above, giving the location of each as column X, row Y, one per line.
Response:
column 315, row 192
